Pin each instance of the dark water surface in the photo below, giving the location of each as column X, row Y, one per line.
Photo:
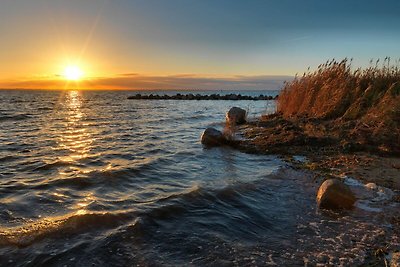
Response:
column 93, row 179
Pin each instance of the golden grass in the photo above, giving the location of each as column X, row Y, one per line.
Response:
column 368, row 99
column 334, row 90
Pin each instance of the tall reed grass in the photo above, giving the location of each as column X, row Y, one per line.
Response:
column 335, row 90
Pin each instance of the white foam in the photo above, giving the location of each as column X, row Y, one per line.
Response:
column 371, row 197
column 301, row 159
column 352, row 182
column 364, row 205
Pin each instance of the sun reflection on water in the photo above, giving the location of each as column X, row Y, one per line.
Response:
column 76, row 136
column 75, row 139
column 81, row 207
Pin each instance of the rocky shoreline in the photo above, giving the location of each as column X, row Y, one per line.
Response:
column 331, row 156
column 202, row 97
column 342, row 125
column 326, row 145
column 329, row 151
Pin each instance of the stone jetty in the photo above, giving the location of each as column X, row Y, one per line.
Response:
column 202, row 97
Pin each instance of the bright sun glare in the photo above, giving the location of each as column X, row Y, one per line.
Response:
column 72, row 73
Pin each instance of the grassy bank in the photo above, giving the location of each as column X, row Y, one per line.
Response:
column 347, row 124
column 360, row 106
column 343, row 120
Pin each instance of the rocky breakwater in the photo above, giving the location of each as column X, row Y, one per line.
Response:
column 201, row 97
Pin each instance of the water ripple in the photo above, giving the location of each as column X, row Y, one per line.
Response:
column 91, row 178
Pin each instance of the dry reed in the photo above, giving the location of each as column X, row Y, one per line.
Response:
column 334, row 90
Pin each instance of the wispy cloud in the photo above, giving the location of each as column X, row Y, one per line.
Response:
column 178, row 82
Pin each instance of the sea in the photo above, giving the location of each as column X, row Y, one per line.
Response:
column 91, row 178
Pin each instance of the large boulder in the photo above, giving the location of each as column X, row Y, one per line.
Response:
column 212, row 137
column 333, row 194
column 236, row 116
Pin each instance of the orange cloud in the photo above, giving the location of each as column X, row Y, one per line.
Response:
column 134, row 81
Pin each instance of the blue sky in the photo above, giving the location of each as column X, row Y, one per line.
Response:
column 289, row 34
column 197, row 37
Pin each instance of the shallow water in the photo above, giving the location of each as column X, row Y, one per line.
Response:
column 91, row 178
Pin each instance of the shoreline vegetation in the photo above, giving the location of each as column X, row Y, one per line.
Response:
column 360, row 108
column 341, row 124
column 345, row 122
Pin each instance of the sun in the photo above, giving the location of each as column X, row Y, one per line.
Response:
column 72, row 73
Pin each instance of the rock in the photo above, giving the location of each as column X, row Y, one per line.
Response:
column 212, row 137
column 201, row 97
column 232, row 97
column 236, row 116
column 371, row 186
column 333, row 194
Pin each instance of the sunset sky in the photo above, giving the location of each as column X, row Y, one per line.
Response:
column 192, row 44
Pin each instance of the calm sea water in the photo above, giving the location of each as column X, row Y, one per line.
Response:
column 90, row 178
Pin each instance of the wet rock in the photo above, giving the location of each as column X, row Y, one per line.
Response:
column 236, row 116
column 212, row 137
column 233, row 97
column 333, row 194
column 371, row 186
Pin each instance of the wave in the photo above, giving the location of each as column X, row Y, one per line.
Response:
column 14, row 117
column 30, row 233
column 176, row 118
column 200, row 197
column 54, row 165
column 198, row 116
column 113, row 177
column 45, row 108
column 164, row 208
column 230, row 203
column 9, row 158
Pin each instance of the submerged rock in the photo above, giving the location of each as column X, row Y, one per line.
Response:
column 236, row 116
column 212, row 137
column 333, row 194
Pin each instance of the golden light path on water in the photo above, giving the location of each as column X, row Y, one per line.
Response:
column 76, row 137
column 78, row 140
